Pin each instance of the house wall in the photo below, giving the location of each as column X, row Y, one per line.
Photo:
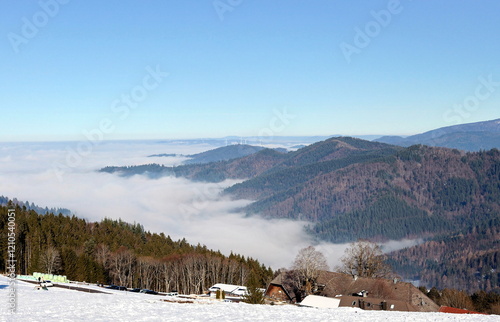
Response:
column 371, row 303
column 277, row 293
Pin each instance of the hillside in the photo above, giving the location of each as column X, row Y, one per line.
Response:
column 304, row 164
column 419, row 191
column 116, row 252
column 467, row 260
column 468, row 137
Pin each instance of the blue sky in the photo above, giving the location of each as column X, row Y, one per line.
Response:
column 233, row 66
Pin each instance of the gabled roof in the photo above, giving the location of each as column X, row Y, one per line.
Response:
column 229, row 288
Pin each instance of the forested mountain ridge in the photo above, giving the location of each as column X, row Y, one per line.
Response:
column 264, row 161
column 468, row 137
column 306, row 163
column 417, row 191
column 241, row 168
column 333, row 149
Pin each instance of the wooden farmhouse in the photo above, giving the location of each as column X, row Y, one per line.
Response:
column 359, row 292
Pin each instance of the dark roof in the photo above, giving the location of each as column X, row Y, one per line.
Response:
column 372, row 303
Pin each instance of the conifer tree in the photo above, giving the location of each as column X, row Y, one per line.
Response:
column 254, row 293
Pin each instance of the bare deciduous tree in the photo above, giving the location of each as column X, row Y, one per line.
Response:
column 308, row 264
column 122, row 264
column 365, row 259
column 51, row 260
column 456, row 298
column 102, row 254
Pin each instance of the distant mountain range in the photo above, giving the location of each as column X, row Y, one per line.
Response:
column 468, row 137
column 351, row 188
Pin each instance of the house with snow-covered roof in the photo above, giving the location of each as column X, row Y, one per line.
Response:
column 229, row 290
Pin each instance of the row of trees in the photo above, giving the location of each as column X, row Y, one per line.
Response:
column 187, row 273
column 480, row 301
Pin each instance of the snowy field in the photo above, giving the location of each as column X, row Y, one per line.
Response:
column 59, row 304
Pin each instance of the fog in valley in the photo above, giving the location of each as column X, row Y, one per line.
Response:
column 55, row 175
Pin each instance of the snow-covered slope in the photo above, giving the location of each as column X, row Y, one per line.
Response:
column 58, row 304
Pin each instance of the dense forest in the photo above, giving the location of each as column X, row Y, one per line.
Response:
column 417, row 192
column 467, row 260
column 121, row 253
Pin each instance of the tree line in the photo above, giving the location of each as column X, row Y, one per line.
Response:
column 117, row 252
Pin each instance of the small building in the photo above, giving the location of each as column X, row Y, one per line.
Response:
column 229, row 290
column 321, row 302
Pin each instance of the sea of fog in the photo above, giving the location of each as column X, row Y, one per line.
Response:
column 64, row 175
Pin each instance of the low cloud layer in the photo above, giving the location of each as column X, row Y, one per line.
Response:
column 175, row 206
column 178, row 207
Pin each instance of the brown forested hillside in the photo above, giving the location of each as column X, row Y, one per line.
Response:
column 418, row 191
column 469, row 260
